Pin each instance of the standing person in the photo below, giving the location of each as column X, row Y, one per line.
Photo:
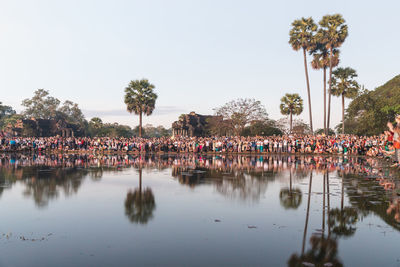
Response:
column 396, row 142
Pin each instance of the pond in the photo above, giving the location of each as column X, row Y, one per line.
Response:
column 194, row 210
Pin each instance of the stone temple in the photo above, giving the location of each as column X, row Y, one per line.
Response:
column 192, row 124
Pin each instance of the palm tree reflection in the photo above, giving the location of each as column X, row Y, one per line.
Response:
column 290, row 198
column 323, row 252
column 140, row 204
column 342, row 220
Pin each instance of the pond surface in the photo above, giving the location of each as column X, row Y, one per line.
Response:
column 84, row 210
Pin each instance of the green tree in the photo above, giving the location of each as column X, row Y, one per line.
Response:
column 41, row 105
column 263, row 128
column 291, row 104
column 71, row 112
column 301, row 37
column 241, row 112
column 322, row 131
column 5, row 112
column 333, row 32
column 140, row 99
column 344, row 85
column 321, row 60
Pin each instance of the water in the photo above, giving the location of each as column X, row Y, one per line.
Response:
column 82, row 210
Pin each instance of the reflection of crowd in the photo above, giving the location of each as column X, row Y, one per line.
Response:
column 224, row 163
column 191, row 169
column 347, row 144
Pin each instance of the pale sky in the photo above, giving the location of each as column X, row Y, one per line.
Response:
column 198, row 54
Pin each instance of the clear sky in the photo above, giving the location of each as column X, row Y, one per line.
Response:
column 198, row 54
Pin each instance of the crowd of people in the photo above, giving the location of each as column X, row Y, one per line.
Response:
column 384, row 145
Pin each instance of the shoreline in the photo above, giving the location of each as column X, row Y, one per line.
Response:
column 137, row 153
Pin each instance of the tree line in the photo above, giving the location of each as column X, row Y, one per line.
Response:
column 43, row 106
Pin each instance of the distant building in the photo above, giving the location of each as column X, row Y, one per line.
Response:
column 192, row 124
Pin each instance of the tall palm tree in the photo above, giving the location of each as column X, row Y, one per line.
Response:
column 301, row 37
column 321, row 60
column 291, row 104
column 140, row 99
column 344, row 85
column 332, row 33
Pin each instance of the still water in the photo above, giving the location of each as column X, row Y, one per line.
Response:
column 84, row 210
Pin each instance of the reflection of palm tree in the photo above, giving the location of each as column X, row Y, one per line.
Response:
column 140, row 204
column 307, row 214
column 323, row 252
column 290, row 198
column 342, row 220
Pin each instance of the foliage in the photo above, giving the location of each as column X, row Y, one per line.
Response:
column 41, row 105
column 343, row 83
column 5, row 113
column 140, row 99
column 96, row 127
column 370, row 111
column 332, row 32
column 241, row 112
column 261, row 128
column 299, row 126
column 291, row 104
column 321, row 131
column 71, row 113
column 151, row 131
column 321, row 57
column 302, row 33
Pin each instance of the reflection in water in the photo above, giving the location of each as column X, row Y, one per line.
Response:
column 368, row 186
column 323, row 252
column 290, row 198
column 140, row 204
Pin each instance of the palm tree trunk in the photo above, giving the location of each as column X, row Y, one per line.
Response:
column 326, row 131
column 323, row 206
column 342, row 113
column 291, row 121
column 330, row 84
column 308, row 89
column 140, row 124
column 307, row 215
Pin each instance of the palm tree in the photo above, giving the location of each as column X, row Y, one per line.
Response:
column 344, row 85
column 301, row 37
column 140, row 99
column 332, row 33
column 291, row 104
column 321, row 60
